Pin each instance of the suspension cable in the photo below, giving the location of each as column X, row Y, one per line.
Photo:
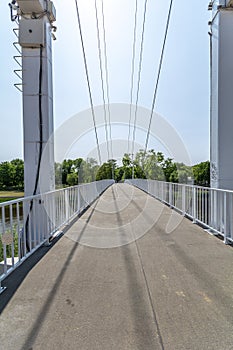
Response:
column 139, row 75
column 132, row 70
column 107, row 79
column 88, row 80
column 158, row 76
column 101, row 75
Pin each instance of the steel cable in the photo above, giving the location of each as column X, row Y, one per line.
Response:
column 159, row 73
column 88, row 80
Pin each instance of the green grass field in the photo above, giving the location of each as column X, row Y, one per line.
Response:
column 10, row 195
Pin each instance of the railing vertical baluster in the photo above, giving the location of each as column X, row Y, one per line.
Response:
column 225, row 226
column 39, row 222
column 202, row 205
column 230, row 215
column 221, row 214
column 183, row 200
column 212, row 208
column 13, row 238
column 30, row 223
column 194, row 205
column 18, row 230
column 4, row 244
column 79, row 203
column 23, row 242
column 170, row 194
column 66, row 207
column 34, row 225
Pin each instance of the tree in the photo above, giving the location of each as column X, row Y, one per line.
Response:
column 170, row 170
column 18, row 174
column 201, row 174
column 88, row 170
column 58, row 174
column 127, row 166
column 119, row 173
column 72, row 179
column 185, row 173
column 139, row 165
column 153, row 169
column 7, row 173
column 66, row 169
column 106, row 170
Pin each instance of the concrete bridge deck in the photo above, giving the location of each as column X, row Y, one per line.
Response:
column 116, row 280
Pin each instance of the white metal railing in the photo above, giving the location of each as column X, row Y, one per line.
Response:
column 210, row 207
column 27, row 223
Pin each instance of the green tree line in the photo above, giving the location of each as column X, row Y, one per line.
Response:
column 155, row 166
column 146, row 165
column 75, row 171
column 12, row 175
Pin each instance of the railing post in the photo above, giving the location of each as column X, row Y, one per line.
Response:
column 194, row 204
column 67, row 207
column 213, row 206
column 230, row 215
column 225, row 219
column 78, row 199
column 170, row 194
column 183, row 200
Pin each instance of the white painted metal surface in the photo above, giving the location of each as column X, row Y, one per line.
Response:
column 38, row 113
column 31, row 33
column 210, row 207
column 35, row 39
column 55, row 209
column 29, row 6
column 221, row 137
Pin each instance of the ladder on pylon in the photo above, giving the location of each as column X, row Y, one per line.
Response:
column 18, row 60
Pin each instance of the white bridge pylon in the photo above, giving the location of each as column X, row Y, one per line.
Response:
column 35, row 37
column 221, row 115
column 35, row 19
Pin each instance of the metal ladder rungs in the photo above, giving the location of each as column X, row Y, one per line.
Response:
column 17, row 85
column 16, row 32
column 16, row 71
column 16, row 44
column 16, row 58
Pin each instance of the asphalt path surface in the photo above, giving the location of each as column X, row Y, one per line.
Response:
column 118, row 280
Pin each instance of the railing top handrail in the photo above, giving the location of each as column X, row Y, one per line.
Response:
column 186, row 185
column 41, row 195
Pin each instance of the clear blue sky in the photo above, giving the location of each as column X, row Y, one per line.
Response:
column 183, row 96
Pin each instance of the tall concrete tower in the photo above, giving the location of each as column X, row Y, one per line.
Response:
column 36, row 19
column 221, row 128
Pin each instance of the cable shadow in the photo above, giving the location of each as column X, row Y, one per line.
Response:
column 142, row 315
column 47, row 305
column 16, row 278
column 140, row 209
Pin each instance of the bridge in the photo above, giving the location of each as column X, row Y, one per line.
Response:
column 132, row 272
column 105, row 265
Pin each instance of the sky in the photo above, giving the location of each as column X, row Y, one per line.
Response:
column 183, row 94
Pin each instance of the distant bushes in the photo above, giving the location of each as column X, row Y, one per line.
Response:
column 149, row 165
column 12, row 175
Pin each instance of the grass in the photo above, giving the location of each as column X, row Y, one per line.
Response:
column 10, row 195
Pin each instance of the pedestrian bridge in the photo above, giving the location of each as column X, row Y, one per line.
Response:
column 120, row 277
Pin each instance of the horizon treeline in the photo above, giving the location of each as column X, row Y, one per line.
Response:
column 146, row 165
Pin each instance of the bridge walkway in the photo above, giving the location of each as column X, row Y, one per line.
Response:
column 117, row 279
